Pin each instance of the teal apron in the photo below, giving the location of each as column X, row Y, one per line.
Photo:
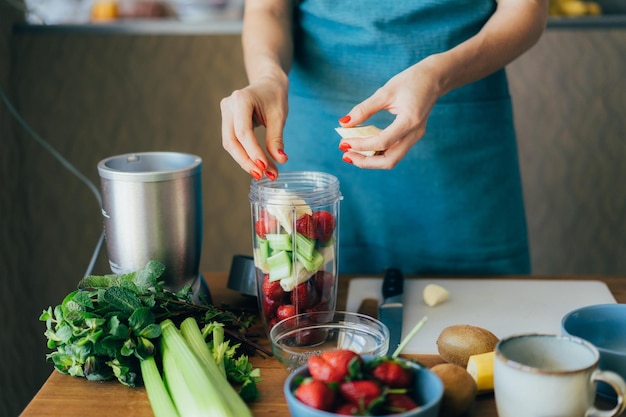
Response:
column 454, row 204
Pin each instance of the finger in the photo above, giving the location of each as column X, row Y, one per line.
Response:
column 232, row 141
column 365, row 109
column 274, row 139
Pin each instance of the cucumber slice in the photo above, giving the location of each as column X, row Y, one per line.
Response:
column 304, row 247
column 279, row 241
column 300, row 276
column 312, row 265
column 279, row 265
column 263, row 250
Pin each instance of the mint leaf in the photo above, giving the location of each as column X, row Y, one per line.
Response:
column 121, row 299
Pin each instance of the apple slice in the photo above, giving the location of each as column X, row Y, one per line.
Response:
column 359, row 132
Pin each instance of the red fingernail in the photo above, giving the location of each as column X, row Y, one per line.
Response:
column 345, row 119
column 281, row 152
column 345, row 147
column 346, row 159
column 270, row 175
column 260, row 164
column 255, row 175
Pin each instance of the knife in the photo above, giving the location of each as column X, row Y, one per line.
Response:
column 390, row 310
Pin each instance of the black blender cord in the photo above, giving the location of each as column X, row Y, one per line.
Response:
column 63, row 162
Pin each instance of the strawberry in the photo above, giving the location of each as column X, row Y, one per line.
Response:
column 399, row 403
column 285, row 311
column 304, row 296
column 324, row 281
column 272, row 289
column 316, row 394
column 269, row 307
column 306, row 226
column 325, row 224
column 266, row 223
column 361, row 392
column 332, row 365
column 392, row 374
column 349, row 409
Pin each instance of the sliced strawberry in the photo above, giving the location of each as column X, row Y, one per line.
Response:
column 304, row 296
column 316, row 394
column 361, row 392
column 272, row 289
column 399, row 403
column 325, row 224
column 332, row 365
column 285, row 311
column 306, row 225
column 392, row 374
column 266, row 223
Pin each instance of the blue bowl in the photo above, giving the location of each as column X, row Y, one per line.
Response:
column 427, row 393
column 604, row 326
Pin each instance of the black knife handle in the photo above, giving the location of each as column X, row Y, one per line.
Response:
column 393, row 283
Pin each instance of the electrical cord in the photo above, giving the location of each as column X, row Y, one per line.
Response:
column 63, row 162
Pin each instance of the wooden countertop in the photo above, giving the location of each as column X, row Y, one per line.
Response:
column 63, row 395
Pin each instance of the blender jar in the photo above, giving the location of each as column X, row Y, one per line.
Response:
column 295, row 235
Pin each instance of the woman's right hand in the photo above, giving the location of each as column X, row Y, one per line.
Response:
column 263, row 102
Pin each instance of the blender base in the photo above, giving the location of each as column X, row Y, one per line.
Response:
column 201, row 292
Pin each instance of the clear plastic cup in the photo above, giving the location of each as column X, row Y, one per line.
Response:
column 295, row 235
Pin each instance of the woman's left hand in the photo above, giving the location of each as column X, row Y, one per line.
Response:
column 410, row 95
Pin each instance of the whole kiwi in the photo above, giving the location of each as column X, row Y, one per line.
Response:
column 458, row 342
column 459, row 389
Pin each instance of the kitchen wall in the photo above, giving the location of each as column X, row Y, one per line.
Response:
column 19, row 373
column 96, row 94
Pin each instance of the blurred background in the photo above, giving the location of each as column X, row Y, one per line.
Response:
column 97, row 84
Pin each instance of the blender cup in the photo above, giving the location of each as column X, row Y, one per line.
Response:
column 152, row 210
column 295, row 234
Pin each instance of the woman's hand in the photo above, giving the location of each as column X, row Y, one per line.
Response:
column 410, row 95
column 264, row 102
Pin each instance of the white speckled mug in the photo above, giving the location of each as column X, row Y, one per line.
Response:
column 539, row 375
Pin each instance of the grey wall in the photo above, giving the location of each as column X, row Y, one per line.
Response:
column 96, row 95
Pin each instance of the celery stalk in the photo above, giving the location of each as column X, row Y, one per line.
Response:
column 160, row 400
column 195, row 391
column 192, row 334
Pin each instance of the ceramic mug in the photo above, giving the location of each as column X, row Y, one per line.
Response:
column 539, row 375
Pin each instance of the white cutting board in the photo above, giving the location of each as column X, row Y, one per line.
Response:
column 504, row 307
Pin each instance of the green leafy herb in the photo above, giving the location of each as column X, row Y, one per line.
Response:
column 105, row 328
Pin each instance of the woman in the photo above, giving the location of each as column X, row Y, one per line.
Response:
column 443, row 193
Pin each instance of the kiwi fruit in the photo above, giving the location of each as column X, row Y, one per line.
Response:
column 458, row 342
column 459, row 389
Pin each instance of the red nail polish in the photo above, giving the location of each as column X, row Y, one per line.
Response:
column 346, row 159
column 260, row 164
column 255, row 175
column 270, row 175
column 344, row 147
column 345, row 119
column 282, row 152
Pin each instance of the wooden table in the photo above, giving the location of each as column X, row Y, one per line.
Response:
column 63, row 395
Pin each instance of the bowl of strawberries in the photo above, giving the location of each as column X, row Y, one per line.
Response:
column 342, row 382
column 295, row 339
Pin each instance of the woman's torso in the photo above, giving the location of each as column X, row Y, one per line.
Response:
column 454, row 203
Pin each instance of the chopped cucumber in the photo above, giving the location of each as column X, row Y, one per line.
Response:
column 312, row 265
column 300, row 276
column 264, row 250
column 279, row 241
column 279, row 265
column 305, row 246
